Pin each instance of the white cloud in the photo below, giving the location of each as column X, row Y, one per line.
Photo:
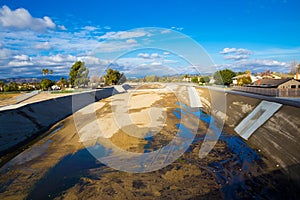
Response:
column 133, row 61
column 258, row 62
column 124, row 34
column 155, row 55
column 149, row 56
column 131, row 41
column 236, row 57
column 228, row 50
column 177, row 28
column 107, row 27
column 144, row 55
column 62, row 27
column 165, row 31
column 170, row 61
column 113, row 46
column 91, row 60
column 257, row 65
column 43, row 46
column 19, row 63
column 21, row 57
column 61, row 58
column 22, row 19
column 274, row 53
column 166, row 53
column 54, row 60
column 90, row 28
column 239, row 51
column 148, row 69
column 5, row 53
column 156, row 63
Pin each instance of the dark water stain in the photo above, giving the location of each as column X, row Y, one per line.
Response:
column 57, row 128
column 177, row 114
column 65, row 174
column 243, row 174
column 26, row 156
column 148, row 147
column 184, row 132
column 240, row 173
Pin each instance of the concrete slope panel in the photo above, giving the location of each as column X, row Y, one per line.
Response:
column 194, row 98
column 256, row 118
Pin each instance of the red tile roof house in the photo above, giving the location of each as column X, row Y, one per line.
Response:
column 273, row 87
column 276, row 83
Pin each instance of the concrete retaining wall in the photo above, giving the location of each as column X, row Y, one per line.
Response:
column 20, row 126
column 277, row 139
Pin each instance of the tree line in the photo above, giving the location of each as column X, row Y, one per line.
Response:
column 78, row 78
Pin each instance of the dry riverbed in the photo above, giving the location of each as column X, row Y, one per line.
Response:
column 60, row 167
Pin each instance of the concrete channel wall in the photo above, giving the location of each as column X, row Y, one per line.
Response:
column 277, row 139
column 21, row 125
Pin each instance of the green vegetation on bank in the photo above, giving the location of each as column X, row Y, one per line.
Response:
column 224, row 77
column 79, row 78
column 114, row 77
column 63, row 91
column 79, row 75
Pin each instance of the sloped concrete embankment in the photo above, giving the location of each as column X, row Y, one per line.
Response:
column 20, row 126
column 277, row 139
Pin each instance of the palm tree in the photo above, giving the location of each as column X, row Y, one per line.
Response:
column 51, row 71
column 45, row 72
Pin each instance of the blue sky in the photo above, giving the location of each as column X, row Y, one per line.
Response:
column 252, row 34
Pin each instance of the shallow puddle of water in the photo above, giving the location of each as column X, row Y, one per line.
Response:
column 27, row 156
column 240, row 172
column 65, row 174
column 57, row 128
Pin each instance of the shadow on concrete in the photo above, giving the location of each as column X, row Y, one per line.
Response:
column 19, row 127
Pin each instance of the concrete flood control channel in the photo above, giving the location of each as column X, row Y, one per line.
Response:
column 20, row 126
column 232, row 170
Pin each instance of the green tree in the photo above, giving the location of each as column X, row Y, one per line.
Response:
column 2, row 84
column 46, row 84
column 62, row 83
column 151, row 78
column 244, row 80
column 195, row 79
column 114, row 77
column 78, row 74
column 224, row 77
column 6, row 88
column 51, row 71
column 204, row 79
column 13, row 86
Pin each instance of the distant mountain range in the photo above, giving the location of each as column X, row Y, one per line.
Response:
column 31, row 80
